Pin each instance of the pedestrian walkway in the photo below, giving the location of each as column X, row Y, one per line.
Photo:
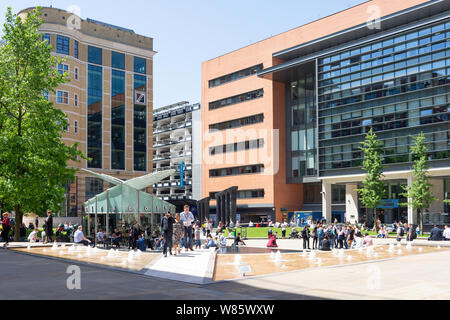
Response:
column 193, row 267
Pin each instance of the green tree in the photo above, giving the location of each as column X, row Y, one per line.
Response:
column 419, row 194
column 374, row 187
column 33, row 158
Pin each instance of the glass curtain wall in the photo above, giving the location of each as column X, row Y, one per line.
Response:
column 302, row 110
column 118, row 120
column 95, row 76
column 398, row 86
column 140, row 126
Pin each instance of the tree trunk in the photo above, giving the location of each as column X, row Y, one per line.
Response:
column 17, row 222
column 375, row 219
column 420, row 221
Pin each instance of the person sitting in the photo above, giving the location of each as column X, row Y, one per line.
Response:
column 140, row 244
column 294, row 233
column 238, row 241
column 116, row 238
column 79, row 237
column 101, row 238
column 250, row 224
column 367, row 242
column 272, row 242
column 326, row 244
column 210, row 243
column 381, row 233
column 159, row 243
column 358, row 243
column 222, row 240
column 436, row 234
column 33, row 236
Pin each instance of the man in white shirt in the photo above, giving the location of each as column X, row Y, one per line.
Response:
column 33, row 237
column 283, row 229
column 79, row 238
column 187, row 218
column 446, row 233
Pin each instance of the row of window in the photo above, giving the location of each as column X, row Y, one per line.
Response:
column 236, row 99
column 236, row 123
column 62, row 97
column 358, row 86
column 441, row 139
column 439, row 78
column 237, row 146
column 234, row 171
column 63, row 68
column 235, row 76
column 387, row 55
column 397, row 39
column 95, row 54
column 354, row 80
column 244, row 194
column 387, row 122
column 374, row 109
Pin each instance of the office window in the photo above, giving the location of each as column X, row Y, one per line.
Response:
column 76, row 73
column 235, row 76
column 75, row 126
column 237, row 122
column 62, row 68
column 62, row 44
column 62, row 97
column 75, row 102
column 46, row 36
column 117, row 60
column 140, row 65
column 94, row 55
column 75, row 49
column 234, row 171
column 236, row 99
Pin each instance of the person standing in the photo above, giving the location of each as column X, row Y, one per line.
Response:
column 315, row 237
column 283, row 229
column 36, row 222
column 305, row 236
column 178, row 233
column 446, row 233
column 167, row 230
column 49, row 226
column 187, row 218
column 6, row 224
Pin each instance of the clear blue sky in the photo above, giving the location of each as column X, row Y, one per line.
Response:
column 188, row 32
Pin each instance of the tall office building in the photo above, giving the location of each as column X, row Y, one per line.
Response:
column 108, row 101
column 322, row 86
column 177, row 143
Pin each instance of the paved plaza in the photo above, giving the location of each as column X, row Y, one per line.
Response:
column 416, row 276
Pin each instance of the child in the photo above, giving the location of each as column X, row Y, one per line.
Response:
column 197, row 237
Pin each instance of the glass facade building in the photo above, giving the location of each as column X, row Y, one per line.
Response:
column 398, row 86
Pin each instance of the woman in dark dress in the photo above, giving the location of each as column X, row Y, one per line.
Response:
column 178, row 234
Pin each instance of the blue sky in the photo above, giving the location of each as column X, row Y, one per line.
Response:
column 186, row 33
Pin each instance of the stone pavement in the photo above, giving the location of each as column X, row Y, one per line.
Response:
column 193, row 267
column 418, row 277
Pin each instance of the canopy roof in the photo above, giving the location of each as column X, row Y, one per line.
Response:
column 125, row 196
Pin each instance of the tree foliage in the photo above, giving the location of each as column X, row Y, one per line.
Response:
column 419, row 194
column 373, row 190
column 33, row 157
